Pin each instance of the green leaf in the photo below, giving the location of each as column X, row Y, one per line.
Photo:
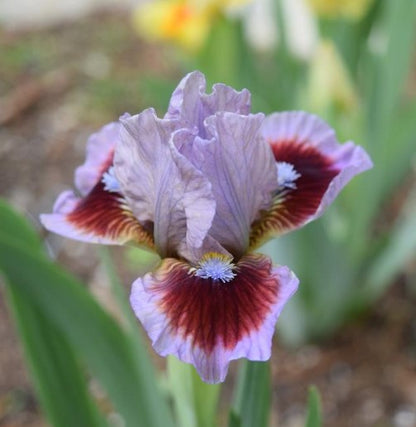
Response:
column 313, row 418
column 92, row 333
column 195, row 402
column 398, row 250
column 252, row 400
column 57, row 375
column 222, row 65
column 327, row 277
column 18, row 228
column 400, row 148
column 393, row 66
column 386, row 75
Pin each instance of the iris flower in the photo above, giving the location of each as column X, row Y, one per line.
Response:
column 204, row 187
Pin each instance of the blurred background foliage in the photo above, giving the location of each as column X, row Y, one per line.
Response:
column 352, row 62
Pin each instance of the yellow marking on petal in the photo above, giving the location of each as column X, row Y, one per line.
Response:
column 269, row 223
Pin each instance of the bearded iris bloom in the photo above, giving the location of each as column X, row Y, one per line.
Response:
column 204, row 187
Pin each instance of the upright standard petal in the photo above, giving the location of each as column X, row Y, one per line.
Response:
column 191, row 105
column 162, row 187
column 312, row 168
column 241, row 169
column 207, row 321
column 101, row 215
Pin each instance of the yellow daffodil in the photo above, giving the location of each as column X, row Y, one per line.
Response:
column 184, row 22
column 349, row 9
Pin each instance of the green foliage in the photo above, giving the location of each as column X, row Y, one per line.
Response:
column 313, row 418
column 75, row 320
column 57, row 374
column 342, row 261
column 195, row 402
column 252, row 399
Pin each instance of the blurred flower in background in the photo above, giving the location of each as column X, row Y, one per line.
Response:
column 266, row 22
column 184, row 22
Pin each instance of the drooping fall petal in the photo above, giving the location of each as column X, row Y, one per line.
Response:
column 101, row 217
column 100, row 214
column 312, row 168
column 209, row 322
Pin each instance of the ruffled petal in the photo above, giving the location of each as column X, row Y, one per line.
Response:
column 161, row 185
column 191, row 105
column 99, row 214
column 241, row 169
column 209, row 323
column 318, row 167
column 100, row 150
column 100, row 217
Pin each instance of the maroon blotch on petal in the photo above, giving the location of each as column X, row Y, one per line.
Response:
column 209, row 322
column 312, row 168
column 104, row 213
column 215, row 313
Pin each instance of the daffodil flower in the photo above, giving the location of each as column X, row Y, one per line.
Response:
column 184, row 22
column 204, row 186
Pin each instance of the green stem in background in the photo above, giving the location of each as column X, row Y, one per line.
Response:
column 220, row 58
column 284, row 85
column 314, row 417
column 55, row 370
column 386, row 73
column 252, row 399
column 118, row 290
column 195, row 402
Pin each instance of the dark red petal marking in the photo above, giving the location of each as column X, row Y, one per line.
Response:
column 107, row 164
column 211, row 312
column 104, row 213
column 294, row 207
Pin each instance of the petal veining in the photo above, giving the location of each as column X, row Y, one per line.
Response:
column 321, row 165
column 191, row 105
column 241, row 169
column 208, row 322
